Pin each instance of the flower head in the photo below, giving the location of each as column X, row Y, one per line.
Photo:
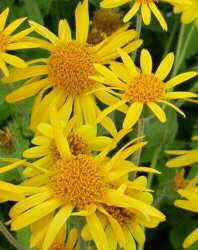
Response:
column 10, row 41
column 145, row 6
column 78, row 185
column 67, row 69
column 142, row 87
column 188, row 10
column 124, row 224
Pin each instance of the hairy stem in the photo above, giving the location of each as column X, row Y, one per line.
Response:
column 138, row 30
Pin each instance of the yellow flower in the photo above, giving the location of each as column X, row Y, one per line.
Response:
column 189, row 11
column 68, row 67
column 8, row 42
column 82, row 140
column 124, row 226
column 79, row 185
column 185, row 158
column 190, row 203
column 141, row 88
column 146, row 6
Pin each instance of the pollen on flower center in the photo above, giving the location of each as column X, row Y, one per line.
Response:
column 70, row 66
column 145, row 88
column 78, row 181
column 57, row 246
column 122, row 215
column 147, row 1
column 3, row 42
column 77, row 145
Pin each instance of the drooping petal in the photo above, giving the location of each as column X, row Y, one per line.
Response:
column 55, row 226
column 158, row 111
column 158, row 15
column 133, row 114
column 96, row 230
column 146, row 14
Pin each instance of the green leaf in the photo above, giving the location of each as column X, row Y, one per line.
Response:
column 33, row 11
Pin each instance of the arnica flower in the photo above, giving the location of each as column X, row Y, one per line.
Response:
column 184, row 158
column 82, row 140
column 79, row 185
column 141, row 88
column 130, row 221
column 190, row 203
column 69, row 66
column 189, row 11
column 10, row 41
column 146, row 6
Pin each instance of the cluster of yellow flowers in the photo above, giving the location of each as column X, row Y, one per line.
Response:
column 70, row 172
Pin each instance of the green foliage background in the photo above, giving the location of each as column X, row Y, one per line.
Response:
column 175, row 134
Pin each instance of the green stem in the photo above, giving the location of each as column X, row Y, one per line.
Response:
column 179, row 46
column 171, row 37
column 138, row 30
column 180, row 55
column 9, row 237
column 140, row 132
column 150, row 177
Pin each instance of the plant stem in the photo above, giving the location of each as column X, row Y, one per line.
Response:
column 140, row 132
column 138, row 30
column 9, row 237
column 179, row 45
column 180, row 54
column 171, row 37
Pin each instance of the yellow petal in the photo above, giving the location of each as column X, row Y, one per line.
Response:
column 146, row 14
column 165, row 67
column 64, row 31
column 191, row 239
column 11, row 166
column 26, row 91
column 3, row 18
column 131, row 13
column 13, row 60
column 174, row 107
column 96, row 230
column 138, row 233
column 158, row 111
column 128, row 62
column 146, row 62
column 158, row 15
column 82, row 21
column 133, row 115
column 28, row 203
column 3, row 67
column 35, row 214
column 44, row 32
column 55, row 226
column 13, row 26
column 179, row 95
column 179, row 79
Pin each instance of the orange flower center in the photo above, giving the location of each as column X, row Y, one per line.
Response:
column 57, row 246
column 77, row 145
column 3, row 42
column 147, row 1
column 122, row 215
column 78, row 181
column 145, row 88
column 70, row 66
